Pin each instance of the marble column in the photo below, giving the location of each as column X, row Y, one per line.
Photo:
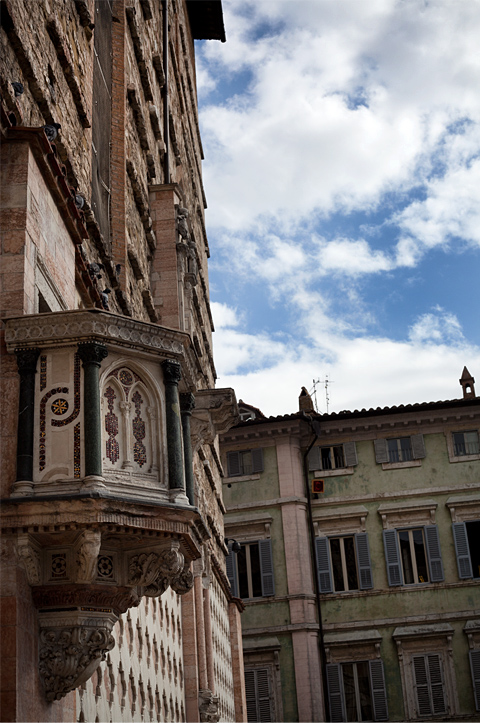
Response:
column 187, row 404
column 92, row 354
column 27, row 368
column 172, row 374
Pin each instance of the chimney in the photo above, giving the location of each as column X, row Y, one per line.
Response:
column 305, row 403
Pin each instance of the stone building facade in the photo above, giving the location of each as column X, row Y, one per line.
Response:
column 359, row 560
column 115, row 600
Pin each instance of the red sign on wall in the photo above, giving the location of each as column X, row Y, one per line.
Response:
column 318, row 485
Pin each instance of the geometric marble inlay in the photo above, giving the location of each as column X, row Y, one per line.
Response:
column 111, row 427
column 59, row 406
column 139, row 451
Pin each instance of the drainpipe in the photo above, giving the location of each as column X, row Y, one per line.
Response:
column 321, row 642
column 166, row 109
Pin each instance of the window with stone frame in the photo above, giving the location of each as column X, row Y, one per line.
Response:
column 399, row 450
column 343, row 563
column 332, row 457
column 250, row 571
column 413, row 555
column 465, row 443
column 357, row 691
column 427, row 671
column 245, row 462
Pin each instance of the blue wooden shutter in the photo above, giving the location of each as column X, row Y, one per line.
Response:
column 257, row 460
column 323, row 564
column 233, row 464
column 251, row 695
column 475, row 668
column 336, row 698
column 392, row 557
column 381, row 450
column 429, row 685
column 436, row 684
column 232, row 571
column 462, row 549
column 363, row 560
column 350, row 453
column 314, row 461
column 434, row 553
column 266, row 567
column 418, row 446
column 379, row 691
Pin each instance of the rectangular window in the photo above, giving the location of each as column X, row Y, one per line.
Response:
column 465, row 443
column 244, row 462
column 356, row 691
column 259, row 699
column 400, row 450
column 429, row 686
column 467, row 547
column 250, row 571
column 343, row 563
column 335, row 456
column 413, row 555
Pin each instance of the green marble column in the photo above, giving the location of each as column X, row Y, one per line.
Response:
column 172, row 374
column 27, row 368
column 187, row 404
column 92, row 354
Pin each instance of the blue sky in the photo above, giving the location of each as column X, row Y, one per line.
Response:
column 342, row 172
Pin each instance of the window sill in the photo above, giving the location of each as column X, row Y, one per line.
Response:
column 402, row 465
column 333, row 472
column 464, row 458
column 241, row 478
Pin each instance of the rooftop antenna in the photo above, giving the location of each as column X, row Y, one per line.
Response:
column 325, row 382
column 314, row 392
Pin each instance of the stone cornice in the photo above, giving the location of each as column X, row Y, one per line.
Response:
column 66, row 328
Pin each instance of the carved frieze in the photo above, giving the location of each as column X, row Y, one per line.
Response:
column 87, row 551
column 208, row 706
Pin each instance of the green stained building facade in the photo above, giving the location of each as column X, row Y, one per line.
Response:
column 359, row 560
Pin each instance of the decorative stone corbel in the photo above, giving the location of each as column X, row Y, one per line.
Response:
column 183, row 582
column 72, row 646
column 86, row 557
column 155, row 571
column 208, row 706
column 29, row 557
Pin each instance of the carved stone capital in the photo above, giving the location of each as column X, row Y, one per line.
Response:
column 88, row 547
column 172, row 371
column 154, row 571
column 92, row 353
column 187, row 402
column 27, row 360
column 72, row 645
column 183, row 582
column 29, row 558
column 208, row 706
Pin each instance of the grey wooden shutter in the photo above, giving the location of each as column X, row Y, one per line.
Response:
column 379, row 691
column 251, row 695
column 429, row 684
column 257, row 460
column 392, row 557
column 418, row 446
column 336, row 698
column 233, row 464
column 314, row 459
column 350, row 452
column 381, row 450
column 462, row 550
column 257, row 689
column 475, row 668
column 266, row 567
column 232, row 571
column 363, row 560
column 434, row 553
column 323, row 564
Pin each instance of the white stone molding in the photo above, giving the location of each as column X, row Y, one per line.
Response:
column 356, row 645
column 464, row 508
column 126, row 408
column 29, row 556
column 152, row 416
column 472, row 631
column 86, row 555
column 408, row 513
column 249, row 527
column 339, row 520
